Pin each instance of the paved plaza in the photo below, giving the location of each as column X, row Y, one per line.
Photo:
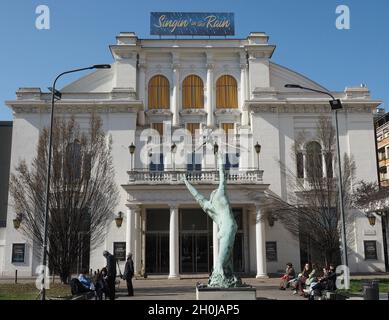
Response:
column 184, row 289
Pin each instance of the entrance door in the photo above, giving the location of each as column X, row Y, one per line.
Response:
column 157, row 241
column 157, row 257
column 196, row 248
column 196, row 253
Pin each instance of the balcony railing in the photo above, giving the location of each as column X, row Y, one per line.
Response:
column 196, row 177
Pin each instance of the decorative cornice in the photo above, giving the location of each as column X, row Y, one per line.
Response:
column 193, row 112
column 85, row 106
column 235, row 112
column 279, row 106
column 158, row 112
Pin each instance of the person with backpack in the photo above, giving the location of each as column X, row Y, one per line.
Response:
column 128, row 274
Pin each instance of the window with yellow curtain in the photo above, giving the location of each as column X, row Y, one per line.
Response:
column 159, row 127
column 192, row 128
column 192, row 92
column 228, row 129
column 159, row 92
column 226, row 92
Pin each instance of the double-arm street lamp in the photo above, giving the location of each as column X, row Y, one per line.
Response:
column 336, row 104
column 55, row 94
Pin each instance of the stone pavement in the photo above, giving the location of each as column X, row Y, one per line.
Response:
column 184, row 289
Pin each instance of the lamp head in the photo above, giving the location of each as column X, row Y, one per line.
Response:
column 174, row 147
column 101, row 66
column 336, row 104
column 215, row 148
column 257, row 148
column 293, row 86
column 131, row 148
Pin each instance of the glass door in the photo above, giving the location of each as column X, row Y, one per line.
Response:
column 196, row 248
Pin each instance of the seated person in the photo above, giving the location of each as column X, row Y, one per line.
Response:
column 326, row 282
column 86, row 281
column 289, row 275
column 312, row 277
column 299, row 283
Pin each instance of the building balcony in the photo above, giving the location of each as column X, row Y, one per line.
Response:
column 383, row 162
column 382, row 143
column 147, row 177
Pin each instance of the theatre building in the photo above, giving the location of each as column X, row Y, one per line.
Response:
column 199, row 84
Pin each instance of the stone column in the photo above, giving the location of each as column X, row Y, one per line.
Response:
column 173, row 243
column 131, row 232
column 137, row 247
column 176, row 94
column 210, row 118
column 243, row 92
column 260, row 241
column 141, row 92
column 215, row 241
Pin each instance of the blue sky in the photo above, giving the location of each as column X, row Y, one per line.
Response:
column 303, row 30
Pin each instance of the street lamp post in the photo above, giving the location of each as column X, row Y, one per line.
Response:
column 132, row 148
column 258, row 151
column 336, row 104
column 54, row 94
column 173, row 150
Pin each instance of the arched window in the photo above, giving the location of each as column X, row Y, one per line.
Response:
column 314, row 160
column 226, row 92
column 300, row 165
column 192, row 92
column 329, row 168
column 159, row 93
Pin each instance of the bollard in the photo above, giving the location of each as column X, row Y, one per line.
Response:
column 16, row 276
column 371, row 291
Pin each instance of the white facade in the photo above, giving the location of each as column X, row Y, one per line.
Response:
column 271, row 114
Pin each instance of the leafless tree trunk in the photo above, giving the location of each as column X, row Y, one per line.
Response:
column 311, row 210
column 83, row 193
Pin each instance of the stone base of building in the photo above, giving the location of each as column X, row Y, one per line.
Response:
column 206, row 293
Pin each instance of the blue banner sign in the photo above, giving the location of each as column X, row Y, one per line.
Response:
column 192, row 23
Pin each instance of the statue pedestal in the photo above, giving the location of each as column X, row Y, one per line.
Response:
column 207, row 293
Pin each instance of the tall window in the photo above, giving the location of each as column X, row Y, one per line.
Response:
column 232, row 157
column 192, row 92
column 159, row 93
column 314, row 160
column 157, row 160
column 194, row 160
column 226, row 92
column 72, row 165
column 329, row 168
column 300, row 165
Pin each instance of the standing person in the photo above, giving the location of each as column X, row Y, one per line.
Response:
column 111, row 274
column 128, row 274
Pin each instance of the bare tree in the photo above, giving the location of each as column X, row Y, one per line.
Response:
column 311, row 208
column 83, row 193
column 369, row 197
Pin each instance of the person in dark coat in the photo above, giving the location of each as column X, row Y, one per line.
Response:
column 128, row 274
column 111, row 274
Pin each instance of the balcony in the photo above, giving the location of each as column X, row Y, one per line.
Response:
column 382, row 143
column 383, row 162
column 146, row 177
